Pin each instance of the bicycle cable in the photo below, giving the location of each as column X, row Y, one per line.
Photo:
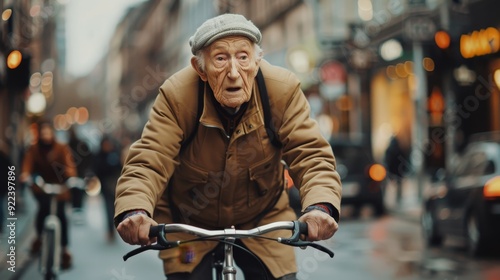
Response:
column 164, row 244
column 237, row 236
column 261, row 264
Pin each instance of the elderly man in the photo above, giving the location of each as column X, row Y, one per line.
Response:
column 213, row 160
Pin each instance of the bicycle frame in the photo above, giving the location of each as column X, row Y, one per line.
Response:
column 50, row 258
column 227, row 271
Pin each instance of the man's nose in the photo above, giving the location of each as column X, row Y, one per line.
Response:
column 233, row 69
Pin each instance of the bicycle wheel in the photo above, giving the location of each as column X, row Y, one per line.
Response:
column 48, row 255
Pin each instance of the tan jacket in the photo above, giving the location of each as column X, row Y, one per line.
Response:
column 218, row 181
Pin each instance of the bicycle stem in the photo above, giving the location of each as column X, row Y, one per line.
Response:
column 229, row 270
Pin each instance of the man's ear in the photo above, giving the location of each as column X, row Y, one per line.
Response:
column 201, row 73
column 257, row 64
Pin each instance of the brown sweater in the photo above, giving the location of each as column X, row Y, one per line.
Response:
column 54, row 163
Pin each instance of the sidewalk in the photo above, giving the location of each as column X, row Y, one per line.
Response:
column 95, row 256
column 411, row 205
column 24, row 232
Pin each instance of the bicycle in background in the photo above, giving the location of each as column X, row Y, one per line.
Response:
column 225, row 268
column 50, row 258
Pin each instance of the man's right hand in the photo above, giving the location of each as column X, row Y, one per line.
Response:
column 135, row 229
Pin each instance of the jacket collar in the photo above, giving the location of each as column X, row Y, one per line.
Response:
column 251, row 120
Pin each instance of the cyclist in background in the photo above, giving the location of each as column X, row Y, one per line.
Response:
column 54, row 163
column 222, row 166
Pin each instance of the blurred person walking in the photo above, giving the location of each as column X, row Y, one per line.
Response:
column 107, row 168
column 396, row 164
column 83, row 156
column 52, row 161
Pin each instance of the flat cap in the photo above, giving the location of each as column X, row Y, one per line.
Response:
column 223, row 26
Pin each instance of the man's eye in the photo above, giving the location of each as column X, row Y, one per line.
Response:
column 243, row 57
column 219, row 58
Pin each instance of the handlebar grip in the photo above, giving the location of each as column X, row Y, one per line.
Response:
column 154, row 230
column 303, row 228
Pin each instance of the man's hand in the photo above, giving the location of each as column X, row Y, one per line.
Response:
column 135, row 229
column 320, row 225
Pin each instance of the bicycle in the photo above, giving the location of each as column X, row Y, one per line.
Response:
column 225, row 269
column 50, row 257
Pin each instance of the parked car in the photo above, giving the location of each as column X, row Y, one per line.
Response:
column 466, row 202
column 363, row 179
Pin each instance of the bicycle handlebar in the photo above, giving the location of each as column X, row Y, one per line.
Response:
column 161, row 230
column 57, row 188
column 172, row 228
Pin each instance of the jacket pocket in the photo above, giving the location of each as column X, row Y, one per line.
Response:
column 188, row 176
column 265, row 180
column 186, row 198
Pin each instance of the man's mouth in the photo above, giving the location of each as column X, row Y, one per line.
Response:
column 233, row 89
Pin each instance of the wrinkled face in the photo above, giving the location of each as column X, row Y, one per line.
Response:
column 231, row 65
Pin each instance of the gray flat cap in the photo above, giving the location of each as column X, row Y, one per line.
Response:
column 223, row 26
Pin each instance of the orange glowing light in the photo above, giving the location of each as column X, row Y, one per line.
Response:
column 14, row 59
column 377, row 172
column 83, row 115
column 492, row 188
column 442, row 39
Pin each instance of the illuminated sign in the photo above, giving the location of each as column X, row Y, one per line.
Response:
column 482, row 42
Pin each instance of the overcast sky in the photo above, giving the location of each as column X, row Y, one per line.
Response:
column 90, row 24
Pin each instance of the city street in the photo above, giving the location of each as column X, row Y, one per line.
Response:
column 96, row 258
column 386, row 112
column 367, row 248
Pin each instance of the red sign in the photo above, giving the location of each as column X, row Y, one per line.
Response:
column 332, row 72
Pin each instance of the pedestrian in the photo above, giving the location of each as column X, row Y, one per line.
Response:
column 395, row 161
column 83, row 157
column 52, row 161
column 213, row 137
column 107, row 167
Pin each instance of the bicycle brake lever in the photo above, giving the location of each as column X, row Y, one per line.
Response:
column 156, row 246
column 322, row 248
column 142, row 249
column 301, row 243
column 162, row 242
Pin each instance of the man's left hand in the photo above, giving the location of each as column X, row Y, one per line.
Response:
column 320, row 225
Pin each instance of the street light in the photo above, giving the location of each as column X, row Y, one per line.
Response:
column 14, row 59
column 496, row 77
column 36, row 104
column 18, row 69
column 391, row 49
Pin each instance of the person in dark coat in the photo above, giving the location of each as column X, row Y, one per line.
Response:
column 396, row 164
column 107, row 167
column 82, row 155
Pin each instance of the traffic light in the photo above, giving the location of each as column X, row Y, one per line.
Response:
column 18, row 69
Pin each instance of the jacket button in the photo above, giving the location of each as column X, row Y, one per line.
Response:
column 250, row 126
column 263, row 192
column 238, row 131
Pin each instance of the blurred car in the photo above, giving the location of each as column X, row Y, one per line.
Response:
column 363, row 180
column 466, row 202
